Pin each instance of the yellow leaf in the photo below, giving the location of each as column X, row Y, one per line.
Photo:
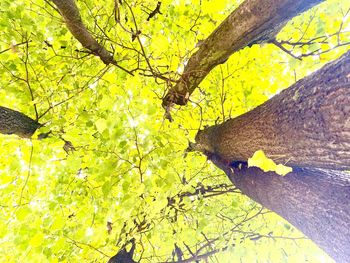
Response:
column 283, row 170
column 58, row 223
column 259, row 159
column 101, row 125
column 36, row 240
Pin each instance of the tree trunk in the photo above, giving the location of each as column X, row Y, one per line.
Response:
column 253, row 22
column 14, row 122
column 316, row 201
column 306, row 125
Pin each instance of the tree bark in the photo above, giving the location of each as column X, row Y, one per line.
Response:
column 71, row 15
column 316, row 201
column 253, row 22
column 14, row 122
column 306, row 125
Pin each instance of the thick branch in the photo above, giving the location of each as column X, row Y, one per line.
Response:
column 306, row 125
column 253, row 22
column 71, row 15
column 14, row 122
column 313, row 200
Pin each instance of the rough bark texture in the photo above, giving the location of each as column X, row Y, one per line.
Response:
column 316, row 201
column 306, row 125
column 14, row 122
column 254, row 21
column 71, row 15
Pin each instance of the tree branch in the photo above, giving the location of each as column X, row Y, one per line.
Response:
column 253, row 22
column 71, row 15
column 155, row 11
column 14, row 122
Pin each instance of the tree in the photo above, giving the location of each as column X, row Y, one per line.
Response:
column 109, row 177
column 306, row 125
column 312, row 200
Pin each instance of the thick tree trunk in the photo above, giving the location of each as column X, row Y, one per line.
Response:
column 306, row 125
column 14, row 122
column 253, row 22
column 316, row 201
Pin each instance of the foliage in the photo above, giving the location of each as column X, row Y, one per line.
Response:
column 259, row 159
column 126, row 174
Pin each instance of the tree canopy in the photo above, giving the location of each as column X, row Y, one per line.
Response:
column 105, row 169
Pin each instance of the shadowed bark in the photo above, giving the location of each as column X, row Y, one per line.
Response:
column 306, row 125
column 316, row 201
column 71, row 15
column 253, row 22
column 124, row 256
column 14, row 122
